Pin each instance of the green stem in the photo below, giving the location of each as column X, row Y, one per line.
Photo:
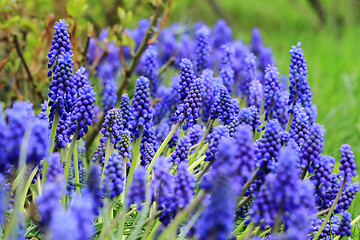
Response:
column 134, row 163
column 191, row 222
column 143, row 214
column 122, row 195
column 76, row 166
column 18, row 177
column 202, row 140
column 150, row 221
column 170, row 231
column 27, row 185
column 70, row 153
column 238, row 228
column 331, row 209
column 38, row 181
column 248, row 184
column 322, row 212
column 153, row 231
column 289, row 121
column 206, row 168
column 247, row 232
column 264, row 233
column 53, row 131
column 277, row 223
column 107, row 155
column 244, row 201
column 196, row 163
column 163, row 145
column 355, row 220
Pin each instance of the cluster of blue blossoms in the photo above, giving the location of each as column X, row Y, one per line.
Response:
column 221, row 150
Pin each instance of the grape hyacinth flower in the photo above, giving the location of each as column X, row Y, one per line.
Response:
column 82, row 210
column 347, row 196
column 148, row 141
column 265, row 58
column 312, row 148
column 80, row 78
column 138, row 188
column 55, row 170
column 167, row 44
column 222, row 34
column 347, row 161
column 19, row 118
column 42, row 114
column 181, row 151
column 62, row 89
column 184, row 188
column 49, row 201
column 62, row 137
column 195, row 134
column 249, row 74
column 141, row 111
column 125, row 110
column 250, row 116
column 227, row 76
column 113, row 181
column 226, row 71
column 63, row 225
column 60, row 43
column 345, row 225
column 163, row 188
column 112, row 126
column 282, row 111
column 202, row 48
column 214, row 138
column 256, row 41
column 271, row 91
column 255, row 94
column 223, row 164
column 269, row 146
column 244, row 163
column 322, row 178
column 124, row 145
column 207, row 77
column 94, row 189
column 38, row 142
column 189, row 109
column 331, row 227
column 216, row 222
column 151, row 67
column 169, row 101
column 109, row 95
column 300, row 127
column 222, row 107
column 272, row 199
column 299, row 86
column 187, row 78
column 83, row 112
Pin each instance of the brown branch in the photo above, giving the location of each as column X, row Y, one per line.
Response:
column 166, row 65
column 30, row 77
column 141, row 49
column 85, row 57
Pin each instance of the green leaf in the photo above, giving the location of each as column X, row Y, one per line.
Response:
column 121, row 14
column 129, row 17
column 11, row 21
column 76, row 8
